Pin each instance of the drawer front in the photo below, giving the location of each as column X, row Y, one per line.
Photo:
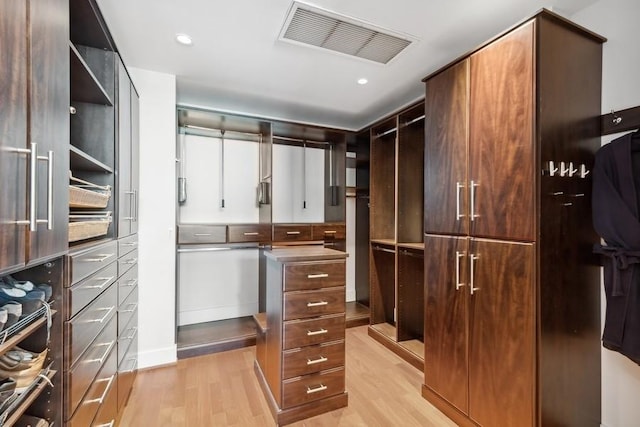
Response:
column 301, row 304
column 128, row 338
column 312, row 387
column 291, row 233
column 127, row 372
column 311, row 359
column 314, row 275
column 127, row 310
column 127, row 244
column 249, row 233
column 88, row 262
column 300, row 333
column 81, row 294
column 126, row 262
column 329, row 231
column 87, row 324
column 126, row 283
column 201, row 233
column 101, row 354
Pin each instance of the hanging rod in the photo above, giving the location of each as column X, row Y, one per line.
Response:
column 620, row 121
column 381, row 249
column 207, row 129
column 387, row 132
column 303, row 141
column 417, row 119
column 411, row 253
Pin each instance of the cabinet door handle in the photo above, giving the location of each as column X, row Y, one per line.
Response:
column 459, row 215
column 473, row 258
column 130, row 261
column 320, row 359
column 105, row 280
column 104, row 393
column 458, row 256
column 129, row 244
column 31, row 153
column 318, row 332
column 321, row 387
column 330, row 232
column 201, row 234
column 250, row 233
column 293, row 233
column 473, row 200
column 49, row 220
column 130, row 283
column 135, row 204
column 317, row 276
column 317, row 304
column 130, row 310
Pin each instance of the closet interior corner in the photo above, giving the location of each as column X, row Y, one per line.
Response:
column 246, row 185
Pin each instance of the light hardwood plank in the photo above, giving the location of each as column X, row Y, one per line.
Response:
column 221, row 390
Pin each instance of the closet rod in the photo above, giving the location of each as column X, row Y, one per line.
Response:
column 417, row 119
column 620, row 121
column 378, row 248
column 220, row 130
column 387, row 132
column 411, row 254
column 286, row 138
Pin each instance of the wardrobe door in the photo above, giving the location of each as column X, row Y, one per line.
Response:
column 501, row 137
column 13, row 132
column 125, row 193
column 446, row 365
column 445, row 154
column 49, row 120
column 502, row 348
column 135, row 157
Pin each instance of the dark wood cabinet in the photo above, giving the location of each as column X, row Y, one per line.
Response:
column 500, row 329
column 128, row 149
column 35, row 128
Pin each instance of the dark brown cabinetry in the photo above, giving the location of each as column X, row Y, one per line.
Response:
column 396, row 236
column 493, row 312
column 35, row 128
column 128, row 154
column 300, row 350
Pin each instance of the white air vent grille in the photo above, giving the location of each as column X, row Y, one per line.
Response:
column 316, row 27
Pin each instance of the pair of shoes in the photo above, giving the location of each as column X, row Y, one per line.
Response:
column 31, row 421
column 26, row 285
column 31, row 300
column 7, row 389
column 22, row 365
column 14, row 312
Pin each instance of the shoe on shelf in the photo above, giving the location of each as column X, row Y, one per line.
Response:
column 26, row 286
column 4, row 316
column 31, row 421
column 22, row 365
column 7, row 388
column 32, row 301
column 48, row 291
column 14, row 312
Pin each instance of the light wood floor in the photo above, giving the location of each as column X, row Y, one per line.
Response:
column 221, row 390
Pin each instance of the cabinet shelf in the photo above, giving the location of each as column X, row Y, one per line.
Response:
column 85, row 87
column 26, row 398
column 386, row 242
column 87, row 26
column 419, row 245
column 82, row 161
column 24, row 328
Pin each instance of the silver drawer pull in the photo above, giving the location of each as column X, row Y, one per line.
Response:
column 103, row 318
column 105, row 280
column 133, row 362
column 317, row 276
column 330, row 232
column 132, row 335
column 293, row 233
column 321, row 387
column 130, row 261
column 131, row 283
column 129, row 244
column 202, row 234
column 134, row 305
column 318, row 360
column 318, row 332
column 251, row 233
column 102, row 358
column 104, row 393
column 109, row 424
column 317, row 304
column 99, row 258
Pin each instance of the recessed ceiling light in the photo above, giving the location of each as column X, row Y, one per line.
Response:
column 363, row 81
column 184, row 39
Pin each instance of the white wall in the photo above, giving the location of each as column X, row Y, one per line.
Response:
column 617, row 20
column 156, row 256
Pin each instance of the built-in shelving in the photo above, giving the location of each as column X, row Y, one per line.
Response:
column 82, row 161
column 85, row 86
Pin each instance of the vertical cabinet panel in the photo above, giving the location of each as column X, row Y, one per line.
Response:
column 446, row 318
column 125, row 192
column 49, row 120
column 501, row 138
column 502, row 333
column 135, row 157
column 13, row 133
column 445, row 162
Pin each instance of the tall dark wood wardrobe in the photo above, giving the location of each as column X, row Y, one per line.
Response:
column 512, row 299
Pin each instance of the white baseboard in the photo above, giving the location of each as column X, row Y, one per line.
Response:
column 211, row 314
column 157, row 357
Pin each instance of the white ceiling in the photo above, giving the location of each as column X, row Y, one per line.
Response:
column 237, row 64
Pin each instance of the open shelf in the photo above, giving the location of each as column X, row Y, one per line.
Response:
column 87, row 26
column 24, row 400
column 385, row 242
column 23, row 328
column 385, row 329
column 85, row 87
column 82, row 161
column 417, row 246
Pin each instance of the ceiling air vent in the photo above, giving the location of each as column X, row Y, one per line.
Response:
column 317, row 27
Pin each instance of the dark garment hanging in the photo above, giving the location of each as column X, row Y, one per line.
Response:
column 616, row 218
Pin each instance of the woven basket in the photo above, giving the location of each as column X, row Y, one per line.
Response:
column 81, row 230
column 83, row 198
column 24, row 372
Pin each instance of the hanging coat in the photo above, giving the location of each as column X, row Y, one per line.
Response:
column 616, row 218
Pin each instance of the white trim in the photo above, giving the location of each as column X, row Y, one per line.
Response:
column 211, row 314
column 157, row 357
